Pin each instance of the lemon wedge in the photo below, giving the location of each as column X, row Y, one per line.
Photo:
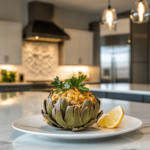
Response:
column 113, row 118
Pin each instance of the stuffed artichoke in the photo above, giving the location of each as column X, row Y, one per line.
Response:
column 71, row 105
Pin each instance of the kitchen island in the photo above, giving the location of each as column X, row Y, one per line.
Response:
column 123, row 91
column 24, row 104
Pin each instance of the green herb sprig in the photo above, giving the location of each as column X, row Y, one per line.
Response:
column 70, row 83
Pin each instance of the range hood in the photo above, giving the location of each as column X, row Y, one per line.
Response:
column 40, row 26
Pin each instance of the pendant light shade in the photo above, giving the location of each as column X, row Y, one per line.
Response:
column 109, row 18
column 140, row 12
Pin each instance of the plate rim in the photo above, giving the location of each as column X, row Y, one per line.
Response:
column 76, row 136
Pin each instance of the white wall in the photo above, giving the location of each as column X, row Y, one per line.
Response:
column 17, row 10
column 73, row 19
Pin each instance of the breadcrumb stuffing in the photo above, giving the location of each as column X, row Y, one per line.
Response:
column 73, row 96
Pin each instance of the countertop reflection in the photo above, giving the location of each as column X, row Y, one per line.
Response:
column 17, row 105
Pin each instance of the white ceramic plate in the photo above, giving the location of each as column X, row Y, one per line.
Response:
column 37, row 125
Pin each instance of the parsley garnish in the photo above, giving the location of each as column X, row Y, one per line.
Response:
column 70, row 83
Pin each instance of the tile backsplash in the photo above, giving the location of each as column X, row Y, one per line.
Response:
column 40, row 61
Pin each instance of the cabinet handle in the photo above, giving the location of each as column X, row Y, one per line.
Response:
column 6, row 58
column 80, row 60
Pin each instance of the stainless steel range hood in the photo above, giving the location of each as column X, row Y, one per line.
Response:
column 40, row 26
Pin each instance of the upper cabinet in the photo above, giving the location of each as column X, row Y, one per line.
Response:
column 10, row 42
column 79, row 49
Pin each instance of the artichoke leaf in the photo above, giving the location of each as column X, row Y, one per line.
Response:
column 69, row 117
column 49, row 106
column 85, row 115
column 90, row 103
column 77, row 118
column 54, row 113
column 64, row 105
column 96, row 109
column 50, row 94
column 49, row 120
column 59, row 119
column 57, row 106
column 98, row 101
column 99, row 115
column 44, row 106
column 90, row 123
column 77, row 129
column 85, row 104
column 91, row 113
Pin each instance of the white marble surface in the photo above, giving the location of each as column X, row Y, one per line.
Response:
column 23, row 104
column 121, row 88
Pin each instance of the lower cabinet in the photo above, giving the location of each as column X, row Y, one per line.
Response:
column 100, row 94
column 122, row 96
column 147, row 98
column 129, row 97
column 15, row 88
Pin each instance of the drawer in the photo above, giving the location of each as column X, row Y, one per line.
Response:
column 122, row 96
column 14, row 88
column 99, row 94
column 147, row 99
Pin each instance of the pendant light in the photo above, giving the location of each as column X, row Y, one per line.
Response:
column 140, row 12
column 109, row 17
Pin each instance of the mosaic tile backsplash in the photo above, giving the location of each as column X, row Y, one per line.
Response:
column 40, row 60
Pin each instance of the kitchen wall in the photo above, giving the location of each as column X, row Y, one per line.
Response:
column 66, row 18
column 17, row 10
column 40, row 62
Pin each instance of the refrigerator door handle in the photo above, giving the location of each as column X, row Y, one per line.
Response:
column 111, row 70
column 115, row 70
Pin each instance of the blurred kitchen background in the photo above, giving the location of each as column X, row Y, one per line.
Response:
column 42, row 39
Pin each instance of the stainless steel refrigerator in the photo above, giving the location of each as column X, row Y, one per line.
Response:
column 115, row 63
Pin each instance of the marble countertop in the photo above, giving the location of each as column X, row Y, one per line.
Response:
column 14, row 106
column 13, row 83
column 121, row 88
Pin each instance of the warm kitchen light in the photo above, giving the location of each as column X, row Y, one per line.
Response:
column 9, row 101
column 109, row 18
column 129, row 41
column 74, row 70
column 8, row 67
column 43, row 39
column 36, row 37
column 140, row 13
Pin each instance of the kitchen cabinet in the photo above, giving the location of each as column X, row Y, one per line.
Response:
column 147, row 98
column 10, row 42
column 100, row 94
column 122, row 96
column 123, row 27
column 78, row 50
column 140, row 53
column 95, row 28
column 2, row 40
column 14, row 88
